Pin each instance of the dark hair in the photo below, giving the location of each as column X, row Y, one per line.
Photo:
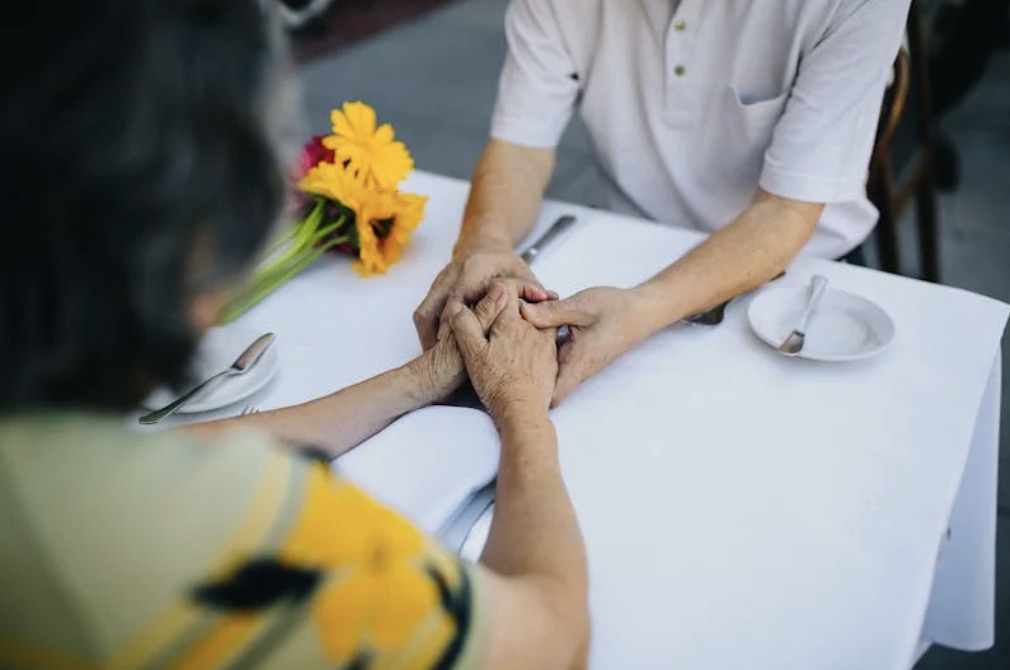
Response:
column 133, row 142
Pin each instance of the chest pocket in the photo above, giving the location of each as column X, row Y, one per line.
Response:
column 735, row 136
column 751, row 120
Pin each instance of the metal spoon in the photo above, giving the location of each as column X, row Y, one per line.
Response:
column 249, row 358
column 793, row 345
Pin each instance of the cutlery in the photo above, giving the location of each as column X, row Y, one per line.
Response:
column 714, row 316
column 793, row 344
column 455, row 532
column 249, row 358
column 552, row 233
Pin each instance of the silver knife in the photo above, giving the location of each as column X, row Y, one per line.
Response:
column 556, row 229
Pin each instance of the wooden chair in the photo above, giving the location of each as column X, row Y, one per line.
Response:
column 890, row 191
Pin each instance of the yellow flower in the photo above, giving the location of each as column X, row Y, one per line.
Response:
column 402, row 212
column 331, row 181
column 409, row 213
column 376, row 252
column 371, row 153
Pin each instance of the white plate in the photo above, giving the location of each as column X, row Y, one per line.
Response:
column 219, row 349
column 845, row 327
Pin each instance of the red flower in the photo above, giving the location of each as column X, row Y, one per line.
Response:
column 312, row 155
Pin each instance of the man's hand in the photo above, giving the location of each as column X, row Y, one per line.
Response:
column 466, row 280
column 601, row 327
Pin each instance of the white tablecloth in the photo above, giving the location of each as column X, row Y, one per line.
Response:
column 741, row 510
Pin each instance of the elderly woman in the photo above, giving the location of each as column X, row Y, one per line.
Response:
column 139, row 180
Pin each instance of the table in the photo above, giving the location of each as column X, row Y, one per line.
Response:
column 740, row 509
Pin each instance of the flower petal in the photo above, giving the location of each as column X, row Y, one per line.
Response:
column 384, row 135
column 361, row 118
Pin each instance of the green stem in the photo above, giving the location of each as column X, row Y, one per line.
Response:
column 298, row 241
column 265, row 284
column 280, row 242
column 301, row 233
column 305, row 245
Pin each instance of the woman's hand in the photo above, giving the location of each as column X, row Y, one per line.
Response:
column 512, row 364
column 440, row 371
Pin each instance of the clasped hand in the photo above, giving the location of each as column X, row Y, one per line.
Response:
column 601, row 325
column 511, row 363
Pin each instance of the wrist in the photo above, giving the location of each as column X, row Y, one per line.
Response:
column 419, row 387
column 655, row 306
column 524, row 430
column 476, row 238
column 518, row 413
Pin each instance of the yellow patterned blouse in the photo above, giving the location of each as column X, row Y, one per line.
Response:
column 123, row 550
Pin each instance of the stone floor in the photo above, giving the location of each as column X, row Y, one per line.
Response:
column 435, row 79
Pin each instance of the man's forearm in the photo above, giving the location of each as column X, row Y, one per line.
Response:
column 753, row 249
column 505, row 196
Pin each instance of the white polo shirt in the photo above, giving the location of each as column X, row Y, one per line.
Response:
column 692, row 105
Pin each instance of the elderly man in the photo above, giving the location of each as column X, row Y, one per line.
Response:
column 750, row 120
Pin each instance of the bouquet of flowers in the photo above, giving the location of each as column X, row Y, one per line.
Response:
column 348, row 201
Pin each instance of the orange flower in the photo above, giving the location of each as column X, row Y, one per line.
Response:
column 371, row 153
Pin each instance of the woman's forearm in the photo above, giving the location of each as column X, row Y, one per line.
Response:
column 340, row 421
column 535, row 534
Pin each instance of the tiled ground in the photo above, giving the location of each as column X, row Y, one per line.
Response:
column 436, row 78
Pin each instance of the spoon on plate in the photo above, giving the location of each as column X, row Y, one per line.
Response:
column 249, row 358
column 793, row 344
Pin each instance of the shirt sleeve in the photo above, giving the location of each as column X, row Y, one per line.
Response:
column 821, row 146
column 538, row 85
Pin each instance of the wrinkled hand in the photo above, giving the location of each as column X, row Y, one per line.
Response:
column 512, row 365
column 600, row 328
column 465, row 280
column 440, row 371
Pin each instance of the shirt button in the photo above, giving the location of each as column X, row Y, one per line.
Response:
column 679, row 70
column 680, row 26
